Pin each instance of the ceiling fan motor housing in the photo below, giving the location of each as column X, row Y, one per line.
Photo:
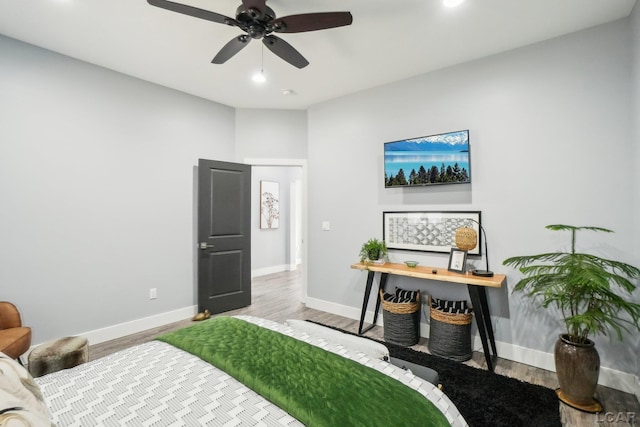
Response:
column 253, row 22
column 258, row 21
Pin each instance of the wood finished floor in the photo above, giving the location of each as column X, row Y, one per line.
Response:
column 279, row 297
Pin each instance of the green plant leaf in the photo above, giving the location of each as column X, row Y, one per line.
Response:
column 585, row 288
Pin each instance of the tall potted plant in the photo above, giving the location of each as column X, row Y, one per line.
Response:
column 587, row 290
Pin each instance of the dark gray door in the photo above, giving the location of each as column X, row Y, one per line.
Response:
column 224, row 236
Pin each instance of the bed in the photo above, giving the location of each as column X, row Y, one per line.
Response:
column 233, row 371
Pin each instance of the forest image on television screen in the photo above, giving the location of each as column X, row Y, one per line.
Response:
column 428, row 160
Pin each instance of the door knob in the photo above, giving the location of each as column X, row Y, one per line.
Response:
column 205, row 245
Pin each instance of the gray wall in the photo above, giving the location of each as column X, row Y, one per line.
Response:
column 635, row 112
column 96, row 170
column 97, row 191
column 635, row 117
column 271, row 134
column 550, row 131
column 97, row 187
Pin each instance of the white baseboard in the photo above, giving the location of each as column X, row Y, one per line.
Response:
column 271, row 270
column 98, row 336
column 528, row 356
column 612, row 378
column 340, row 310
column 120, row 330
column 618, row 380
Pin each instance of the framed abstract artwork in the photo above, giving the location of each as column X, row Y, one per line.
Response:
column 428, row 231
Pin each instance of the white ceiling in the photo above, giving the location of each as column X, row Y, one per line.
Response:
column 388, row 41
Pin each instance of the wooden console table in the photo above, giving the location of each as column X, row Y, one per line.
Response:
column 476, row 286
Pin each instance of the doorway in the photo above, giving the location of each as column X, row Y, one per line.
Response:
column 283, row 248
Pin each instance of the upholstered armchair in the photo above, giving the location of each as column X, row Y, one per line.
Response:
column 15, row 339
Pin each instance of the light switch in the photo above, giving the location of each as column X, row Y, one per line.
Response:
column 326, row 226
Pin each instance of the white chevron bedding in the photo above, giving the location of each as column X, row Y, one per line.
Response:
column 156, row 384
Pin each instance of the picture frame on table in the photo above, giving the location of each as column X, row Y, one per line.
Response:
column 457, row 261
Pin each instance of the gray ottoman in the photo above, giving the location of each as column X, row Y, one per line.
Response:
column 53, row 356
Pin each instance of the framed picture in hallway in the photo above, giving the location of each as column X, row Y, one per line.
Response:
column 269, row 204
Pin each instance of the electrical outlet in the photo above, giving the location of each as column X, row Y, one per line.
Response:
column 153, row 293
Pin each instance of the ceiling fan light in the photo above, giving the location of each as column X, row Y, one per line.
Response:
column 259, row 77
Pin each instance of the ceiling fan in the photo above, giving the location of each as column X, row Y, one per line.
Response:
column 258, row 21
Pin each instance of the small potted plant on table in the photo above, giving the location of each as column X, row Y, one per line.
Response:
column 373, row 251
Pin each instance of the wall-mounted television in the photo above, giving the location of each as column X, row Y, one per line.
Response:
column 428, row 160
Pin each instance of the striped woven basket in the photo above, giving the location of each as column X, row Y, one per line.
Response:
column 401, row 321
column 450, row 334
column 400, row 307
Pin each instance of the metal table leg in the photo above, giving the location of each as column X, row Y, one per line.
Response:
column 367, row 292
column 483, row 319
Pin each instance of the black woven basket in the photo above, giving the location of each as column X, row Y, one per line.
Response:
column 401, row 321
column 450, row 334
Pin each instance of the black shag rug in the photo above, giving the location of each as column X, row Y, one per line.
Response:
column 485, row 398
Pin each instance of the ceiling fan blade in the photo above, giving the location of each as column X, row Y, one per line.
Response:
column 192, row 11
column 234, row 46
column 259, row 5
column 311, row 22
column 285, row 51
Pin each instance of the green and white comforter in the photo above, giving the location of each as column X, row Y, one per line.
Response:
column 157, row 384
